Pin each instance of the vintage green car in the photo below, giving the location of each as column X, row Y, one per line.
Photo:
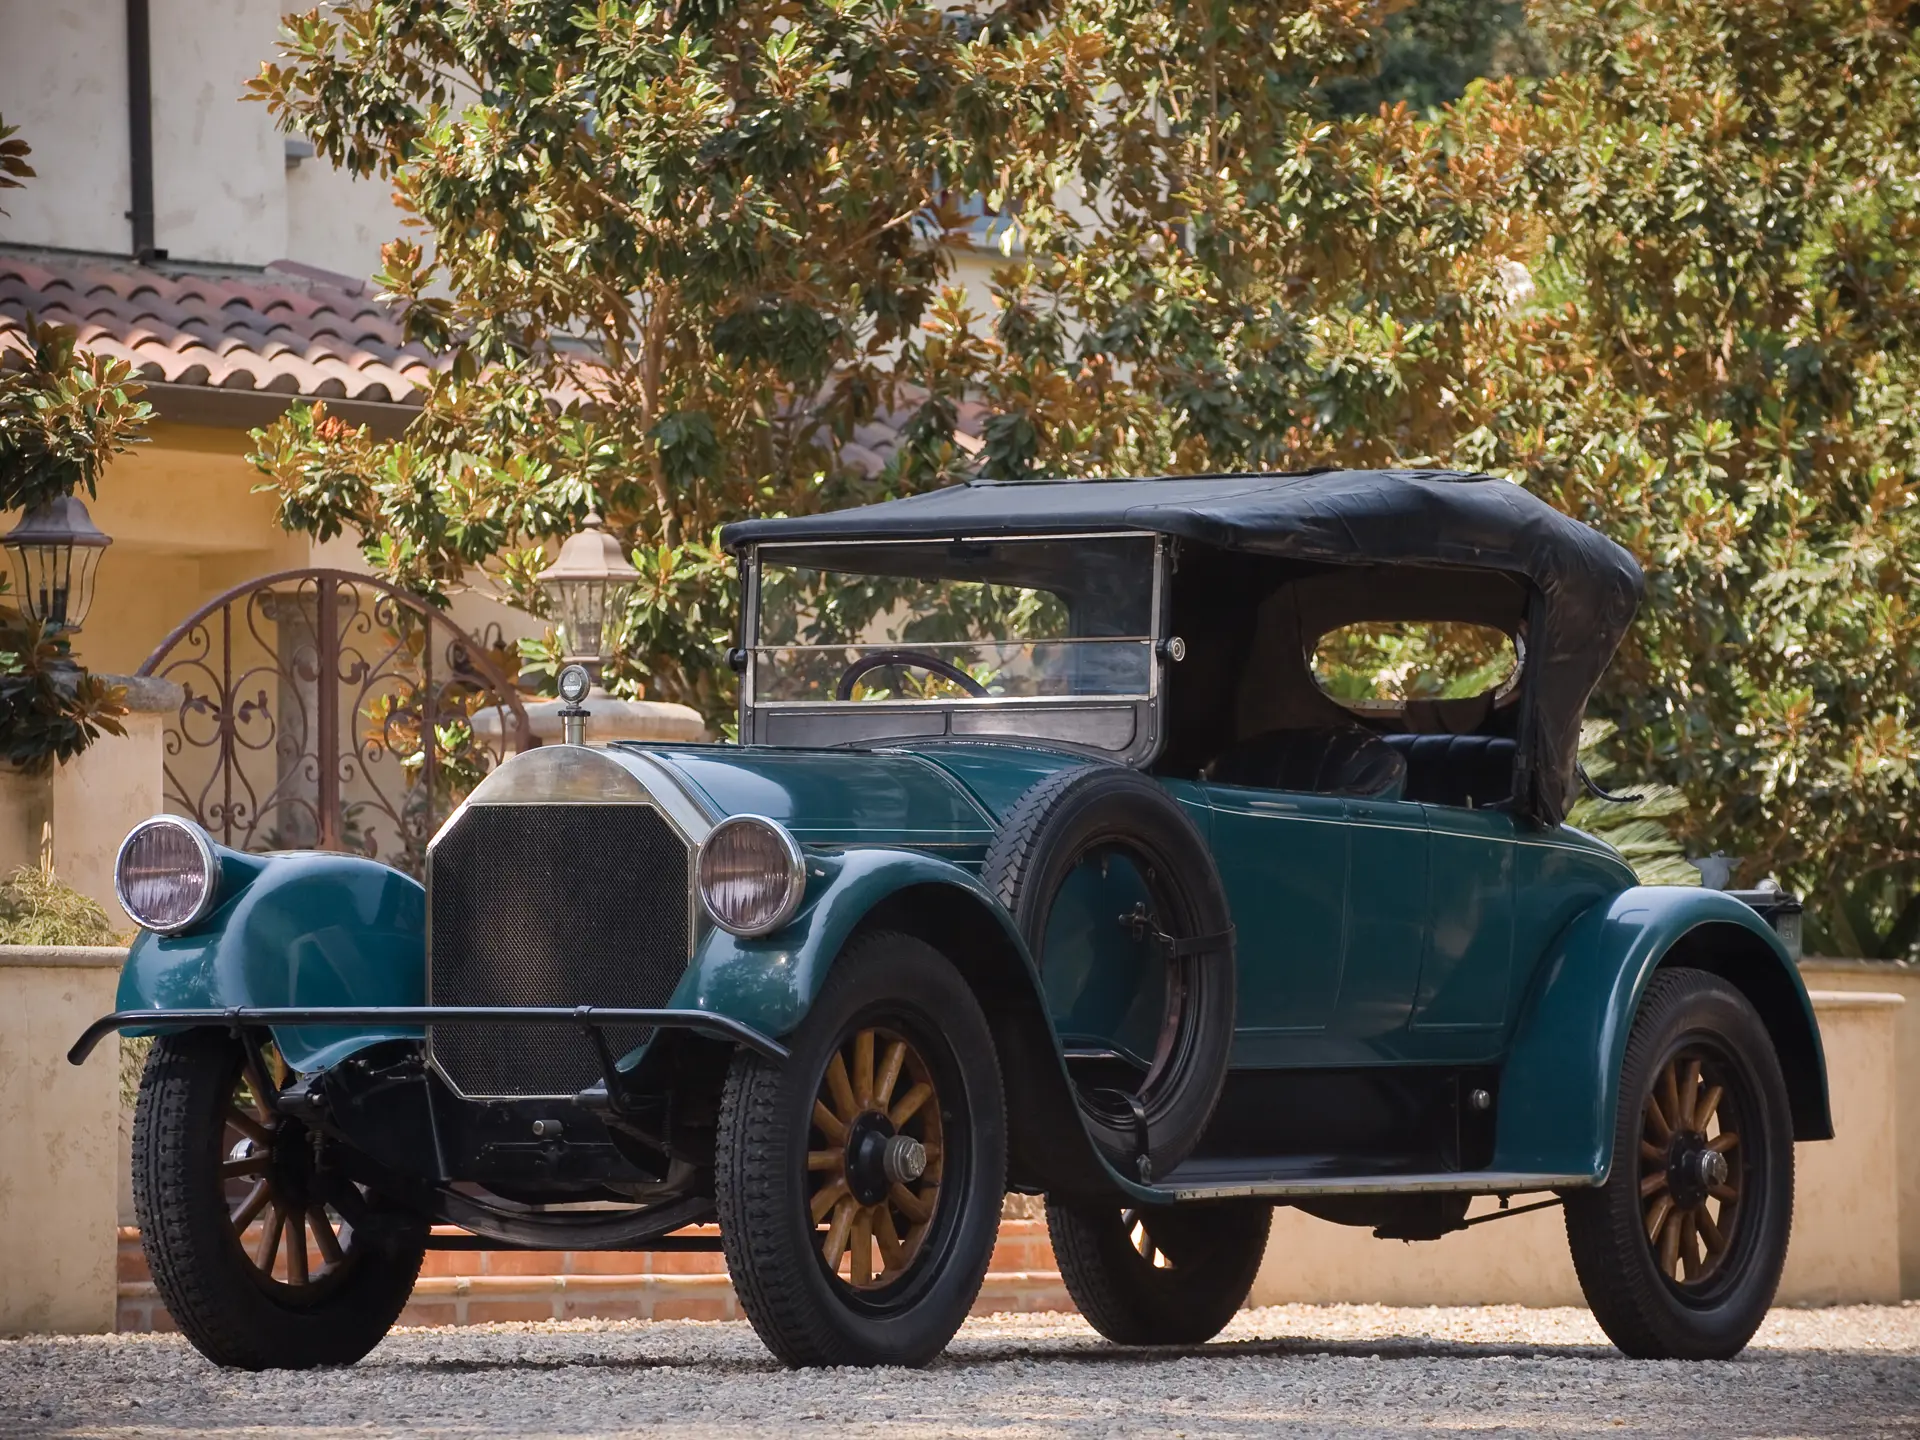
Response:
column 1055, row 857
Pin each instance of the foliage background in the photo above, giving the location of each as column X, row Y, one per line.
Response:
column 1654, row 259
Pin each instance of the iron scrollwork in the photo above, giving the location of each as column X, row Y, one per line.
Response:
column 328, row 710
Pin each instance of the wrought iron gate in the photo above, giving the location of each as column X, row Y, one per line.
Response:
column 328, row 710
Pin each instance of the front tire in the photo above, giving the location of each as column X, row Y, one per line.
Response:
column 859, row 1182
column 1167, row 1276
column 1680, row 1252
column 266, row 1258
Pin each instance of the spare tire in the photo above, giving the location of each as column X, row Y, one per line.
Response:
column 1147, row 1111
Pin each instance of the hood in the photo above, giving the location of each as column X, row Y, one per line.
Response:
column 939, row 797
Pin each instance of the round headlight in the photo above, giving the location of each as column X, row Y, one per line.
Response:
column 167, row 876
column 751, row 875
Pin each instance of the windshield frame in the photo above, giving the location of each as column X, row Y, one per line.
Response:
column 754, row 713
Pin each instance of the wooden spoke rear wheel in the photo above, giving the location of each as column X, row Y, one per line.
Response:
column 1690, row 1168
column 859, row 1180
column 266, row 1255
column 1680, row 1251
column 874, row 1159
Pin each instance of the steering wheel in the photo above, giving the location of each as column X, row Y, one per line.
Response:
column 918, row 659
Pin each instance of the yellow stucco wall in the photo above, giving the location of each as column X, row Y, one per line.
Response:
column 58, row 1143
column 185, row 526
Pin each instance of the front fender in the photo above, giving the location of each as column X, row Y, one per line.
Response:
column 770, row 981
column 299, row 929
column 1561, row 1084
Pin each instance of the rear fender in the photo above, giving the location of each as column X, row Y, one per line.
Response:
column 301, row 929
column 770, row 982
column 1561, row 1083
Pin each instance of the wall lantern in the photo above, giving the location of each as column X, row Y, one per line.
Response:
column 588, row 585
column 56, row 549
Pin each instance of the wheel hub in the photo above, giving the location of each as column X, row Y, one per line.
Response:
column 869, row 1140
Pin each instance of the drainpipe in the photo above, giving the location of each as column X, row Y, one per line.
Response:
column 140, row 130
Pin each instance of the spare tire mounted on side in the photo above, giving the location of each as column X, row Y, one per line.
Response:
column 1151, row 1121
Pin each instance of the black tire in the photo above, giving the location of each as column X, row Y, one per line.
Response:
column 1699, row 1051
column 233, row 1311
column 775, row 1160
column 1096, row 810
column 1168, row 1276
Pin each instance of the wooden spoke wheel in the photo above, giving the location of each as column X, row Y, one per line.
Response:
column 859, row 1180
column 1690, row 1167
column 283, row 1211
column 874, row 1159
column 1680, row 1248
column 1171, row 1275
column 266, row 1254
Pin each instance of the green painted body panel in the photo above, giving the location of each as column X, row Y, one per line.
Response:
column 1470, row 944
column 839, row 797
column 769, row 981
column 303, row 929
column 1283, row 860
column 1561, row 1081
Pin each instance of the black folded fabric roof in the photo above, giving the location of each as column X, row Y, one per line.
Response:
column 1587, row 587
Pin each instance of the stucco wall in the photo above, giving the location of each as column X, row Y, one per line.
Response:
column 58, row 1150
column 1847, row 1213
column 222, row 189
column 1902, row 980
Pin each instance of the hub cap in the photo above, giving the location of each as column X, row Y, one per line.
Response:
column 1690, row 1169
column 874, row 1159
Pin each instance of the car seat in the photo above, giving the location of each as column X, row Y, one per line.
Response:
column 1463, row 770
column 1324, row 760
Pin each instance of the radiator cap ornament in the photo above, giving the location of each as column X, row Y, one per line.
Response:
column 575, row 682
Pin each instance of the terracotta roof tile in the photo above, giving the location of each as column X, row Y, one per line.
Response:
column 289, row 330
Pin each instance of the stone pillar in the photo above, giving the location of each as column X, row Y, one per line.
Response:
column 59, row 1146
column 109, row 787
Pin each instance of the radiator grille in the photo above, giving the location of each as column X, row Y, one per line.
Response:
column 551, row 905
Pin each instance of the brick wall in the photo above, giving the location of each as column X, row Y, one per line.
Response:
column 476, row 1287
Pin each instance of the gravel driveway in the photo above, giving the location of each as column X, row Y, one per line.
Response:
column 1307, row 1370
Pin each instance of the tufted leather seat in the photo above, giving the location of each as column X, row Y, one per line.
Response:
column 1330, row 760
column 1474, row 770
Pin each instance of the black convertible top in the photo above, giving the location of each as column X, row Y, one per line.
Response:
column 1586, row 588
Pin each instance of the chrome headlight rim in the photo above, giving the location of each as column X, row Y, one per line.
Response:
column 795, row 875
column 209, row 861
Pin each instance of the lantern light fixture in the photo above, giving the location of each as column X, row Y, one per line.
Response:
column 587, row 586
column 56, row 551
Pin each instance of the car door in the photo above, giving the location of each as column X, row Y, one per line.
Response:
column 1283, row 859
column 1461, row 1006
column 1388, row 919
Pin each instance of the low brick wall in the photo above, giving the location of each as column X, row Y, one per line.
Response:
column 476, row 1287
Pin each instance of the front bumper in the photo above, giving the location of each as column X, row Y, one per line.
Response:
column 590, row 1019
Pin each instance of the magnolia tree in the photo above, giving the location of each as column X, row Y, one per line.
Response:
column 673, row 254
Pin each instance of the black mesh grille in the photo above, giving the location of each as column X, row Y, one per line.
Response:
column 551, row 905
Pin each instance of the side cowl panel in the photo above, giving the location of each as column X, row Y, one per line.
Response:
column 303, row 929
column 1560, row 1087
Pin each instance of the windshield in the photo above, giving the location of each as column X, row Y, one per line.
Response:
column 947, row 620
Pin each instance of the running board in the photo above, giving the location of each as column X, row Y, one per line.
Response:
column 1229, row 1182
